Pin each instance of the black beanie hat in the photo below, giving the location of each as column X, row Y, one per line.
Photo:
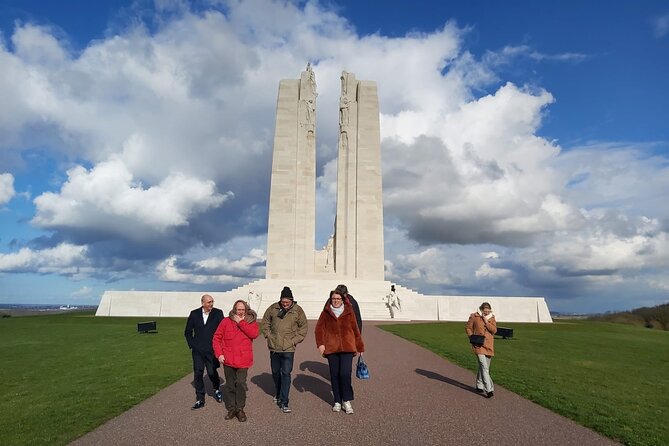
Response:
column 286, row 293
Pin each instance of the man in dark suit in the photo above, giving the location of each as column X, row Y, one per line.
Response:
column 200, row 327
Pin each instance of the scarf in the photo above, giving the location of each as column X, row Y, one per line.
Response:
column 283, row 311
column 337, row 311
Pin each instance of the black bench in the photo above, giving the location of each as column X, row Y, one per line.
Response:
column 504, row 332
column 146, row 327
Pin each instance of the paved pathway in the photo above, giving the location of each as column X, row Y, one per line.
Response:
column 413, row 397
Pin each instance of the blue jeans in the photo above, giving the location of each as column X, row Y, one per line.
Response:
column 282, row 365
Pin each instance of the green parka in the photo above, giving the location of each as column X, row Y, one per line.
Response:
column 284, row 334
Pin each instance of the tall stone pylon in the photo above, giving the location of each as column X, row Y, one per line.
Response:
column 356, row 249
column 292, row 205
column 358, row 241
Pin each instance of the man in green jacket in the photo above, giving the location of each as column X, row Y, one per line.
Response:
column 284, row 326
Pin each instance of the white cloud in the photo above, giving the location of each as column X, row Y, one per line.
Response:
column 214, row 270
column 488, row 271
column 508, row 54
column 109, row 199
column 82, row 292
column 661, row 25
column 7, row 191
column 599, row 249
column 482, row 176
column 429, row 265
column 65, row 259
column 37, row 45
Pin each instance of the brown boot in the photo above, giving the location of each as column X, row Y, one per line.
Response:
column 241, row 416
column 232, row 413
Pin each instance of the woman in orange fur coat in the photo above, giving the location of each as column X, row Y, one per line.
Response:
column 338, row 339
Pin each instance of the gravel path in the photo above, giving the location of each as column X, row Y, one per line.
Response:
column 413, row 397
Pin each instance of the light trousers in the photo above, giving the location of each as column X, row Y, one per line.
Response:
column 483, row 379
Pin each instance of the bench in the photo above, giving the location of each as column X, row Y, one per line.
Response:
column 504, row 332
column 146, row 327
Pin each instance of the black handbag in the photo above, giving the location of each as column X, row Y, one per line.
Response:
column 361, row 370
column 477, row 340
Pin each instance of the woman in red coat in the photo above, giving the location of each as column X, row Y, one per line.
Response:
column 483, row 323
column 233, row 346
column 338, row 339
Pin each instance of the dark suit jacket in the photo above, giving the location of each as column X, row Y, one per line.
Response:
column 356, row 310
column 198, row 334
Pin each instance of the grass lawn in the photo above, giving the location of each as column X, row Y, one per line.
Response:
column 612, row 378
column 63, row 375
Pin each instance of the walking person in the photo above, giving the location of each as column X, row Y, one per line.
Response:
column 200, row 327
column 342, row 290
column 338, row 339
column 284, row 326
column 483, row 323
column 233, row 347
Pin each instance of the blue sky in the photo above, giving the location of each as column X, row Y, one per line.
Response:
column 525, row 145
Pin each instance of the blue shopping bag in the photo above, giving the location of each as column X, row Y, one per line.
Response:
column 361, row 370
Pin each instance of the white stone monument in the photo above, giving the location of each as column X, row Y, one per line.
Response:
column 354, row 255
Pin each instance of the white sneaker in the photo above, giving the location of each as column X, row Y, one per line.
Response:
column 347, row 407
column 336, row 407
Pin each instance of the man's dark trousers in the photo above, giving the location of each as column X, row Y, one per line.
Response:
column 282, row 366
column 202, row 361
column 199, row 336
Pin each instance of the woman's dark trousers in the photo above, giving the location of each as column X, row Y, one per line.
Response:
column 340, row 376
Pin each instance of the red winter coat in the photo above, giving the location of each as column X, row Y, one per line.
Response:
column 338, row 334
column 235, row 341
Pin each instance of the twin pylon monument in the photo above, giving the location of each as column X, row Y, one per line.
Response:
column 354, row 255
column 355, row 251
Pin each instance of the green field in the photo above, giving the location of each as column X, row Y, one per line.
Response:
column 63, row 375
column 612, row 378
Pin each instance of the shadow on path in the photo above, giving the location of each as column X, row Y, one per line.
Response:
column 318, row 368
column 265, row 382
column 208, row 387
column 447, row 380
column 312, row 384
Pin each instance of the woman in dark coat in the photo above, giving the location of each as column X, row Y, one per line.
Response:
column 338, row 339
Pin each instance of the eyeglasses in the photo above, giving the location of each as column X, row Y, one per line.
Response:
column 336, row 298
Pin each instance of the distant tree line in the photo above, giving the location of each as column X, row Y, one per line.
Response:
column 649, row 317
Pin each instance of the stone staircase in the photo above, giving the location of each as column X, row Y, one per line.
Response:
column 311, row 295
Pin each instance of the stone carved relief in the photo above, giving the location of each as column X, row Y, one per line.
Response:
column 343, row 111
column 308, row 100
column 346, row 97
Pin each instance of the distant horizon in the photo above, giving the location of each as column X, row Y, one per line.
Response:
column 553, row 313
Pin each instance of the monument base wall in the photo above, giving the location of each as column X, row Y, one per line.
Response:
column 311, row 295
